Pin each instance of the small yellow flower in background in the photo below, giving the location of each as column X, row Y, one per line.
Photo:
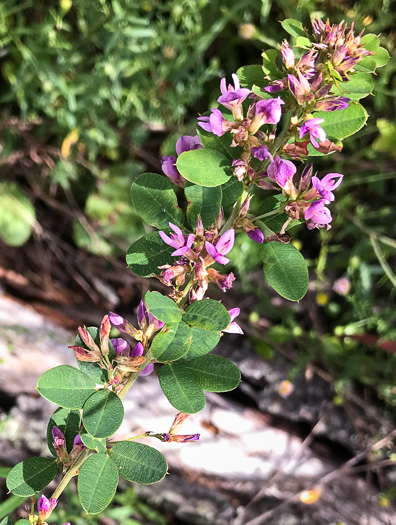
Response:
column 367, row 20
column 308, row 497
column 65, row 4
column 297, row 244
column 69, row 141
column 247, row 31
column 383, row 501
column 322, row 299
column 285, row 388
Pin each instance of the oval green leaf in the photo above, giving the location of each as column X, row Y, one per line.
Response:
column 205, row 167
column 203, row 202
column 68, row 421
column 93, row 443
column 31, row 476
column 97, row 483
column 163, row 308
column 139, row 463
column 23, row 522
column 360, row 86
column 147, row 253
column 181, row 388
column 103, row 413
column 293, row 27
column 155, row 200
column 231, row 190
column 202, row 342
column 66, row 386
column 285, row 270
column 208, row 314
column 343, row 123
column 172, row 343
column 215, row 373
column 221, row 144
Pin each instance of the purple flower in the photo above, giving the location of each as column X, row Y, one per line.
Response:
column 45, row 506
column 326, row 186
column 256, row 234
column 58, row 437
column 184, row 439
column 318, row 213
column 315, row 131
column 288, row 57
column 282, row 171
column 260, row 152
column 300, row 88
column 276, row 86
column 178, row 240
column 137, row 351
column 233, row 96
column 123, row 325
column 223, row 246
column 332, row 104
column 233, row 327
column 266, row 111
column 214, row 123
column 188, row 143
column 78, row 442
column 120, row 346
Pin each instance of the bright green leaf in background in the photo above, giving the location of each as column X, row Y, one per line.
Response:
column 172, row 343
column 68, row 421
column 207, row 314
column 205, row 167
column 103, row 413
column 285, row 270
column 181, row 388
column 66, row 386
column 139, row 463
column 147, row 254
column 155, row 200
column 162, row 307
column 203, row 202
column 31, row 476
column 293, row 27
column 97, row 483
column 17, row 215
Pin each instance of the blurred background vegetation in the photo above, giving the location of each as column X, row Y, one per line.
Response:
column 93, row 92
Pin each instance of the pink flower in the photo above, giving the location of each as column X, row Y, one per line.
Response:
column 223, row 246
column 177, row 240
column 282, row 171
column 266, row 111
column 233, row 96
column 233, row 327
column 326, row 186
column 318, row 213
column 45, row 506
column 312, row 128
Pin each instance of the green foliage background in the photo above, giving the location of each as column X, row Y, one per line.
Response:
column 94, row 91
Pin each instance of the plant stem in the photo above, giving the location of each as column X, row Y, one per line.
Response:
column 73, row 469
column 235, row 211
column 273, row 212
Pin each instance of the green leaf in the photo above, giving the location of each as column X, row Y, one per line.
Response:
column 360, row 86
column 202, row 342
column 31, row 476
column 293, row 27
column 381, row 57
column 304, row 42
column 155, row 200
column 181, row 388
column 22, row 522
column 4, row 471
column 9, row 520
column 9, row 505
column 163, row 308
column 17, row 215
column 172, row 343
column 103, row 413
column 252, row 75
column 221, row 144
column 343, row 123
column 285, row 270
column 370, row 42
column 269, row 64
column 366, row 65
column 147, row 253
column 203, row 202
column 231, row 191
column 97, row 483
column 214, row 373
column 205, row 167
column 207, row 314
column 139, row 463
column 93, row 443
column 275, row 222
column 66, row 386
column 68, row 421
